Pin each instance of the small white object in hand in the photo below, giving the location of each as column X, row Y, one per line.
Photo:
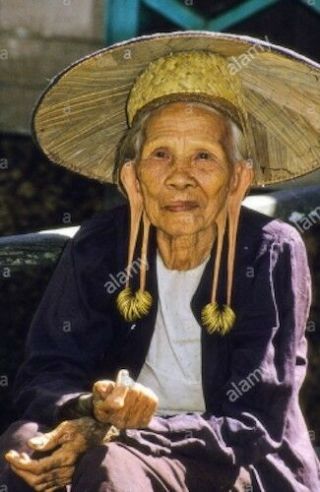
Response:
column 124, row 379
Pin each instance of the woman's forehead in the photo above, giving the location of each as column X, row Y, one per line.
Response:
column 183, row 119
column 187, row 109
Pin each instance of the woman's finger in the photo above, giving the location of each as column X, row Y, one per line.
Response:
column 57, row 487
column 52, row 480
column 143, row 413
column 56, row 460
column 100, row 414
column 30, row 478
column 139, row 406
column 101, row 389
column 120, row 417
column 142, row 409
column 18, row 460
column 50, row 440
column 56, row 479
column 116, row 398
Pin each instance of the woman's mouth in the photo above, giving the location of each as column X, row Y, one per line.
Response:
column 181, row 206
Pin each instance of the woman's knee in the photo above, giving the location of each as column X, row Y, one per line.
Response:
column 105, row 468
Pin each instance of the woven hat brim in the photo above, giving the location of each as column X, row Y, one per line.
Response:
column 81, row 116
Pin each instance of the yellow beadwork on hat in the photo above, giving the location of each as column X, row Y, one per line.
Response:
column 187, row 72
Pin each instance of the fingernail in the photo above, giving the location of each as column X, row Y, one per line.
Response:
column 37, row 441
column 12, row 454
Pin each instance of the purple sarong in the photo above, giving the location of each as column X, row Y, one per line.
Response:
column 121, row 467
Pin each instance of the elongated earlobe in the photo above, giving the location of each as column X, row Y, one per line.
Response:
column 234, row 206
column 133, row 306
column 220, row 319
column 128, row 180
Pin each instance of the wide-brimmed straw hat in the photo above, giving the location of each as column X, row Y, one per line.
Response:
column 83, row 113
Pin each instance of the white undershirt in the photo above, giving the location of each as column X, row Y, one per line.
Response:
column 173, row 364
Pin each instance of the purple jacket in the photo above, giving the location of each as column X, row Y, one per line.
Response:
column 251, row 377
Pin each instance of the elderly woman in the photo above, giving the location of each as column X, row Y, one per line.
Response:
column 211, row 326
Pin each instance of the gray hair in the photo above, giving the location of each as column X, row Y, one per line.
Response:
column 131, row 144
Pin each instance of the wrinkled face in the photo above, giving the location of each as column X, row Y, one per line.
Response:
column 184, row 172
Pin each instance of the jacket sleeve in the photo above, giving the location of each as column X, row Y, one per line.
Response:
column 268, row 363
column 67, row 338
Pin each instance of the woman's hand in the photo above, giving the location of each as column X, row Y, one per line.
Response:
column 123, row 403
column 71, row 438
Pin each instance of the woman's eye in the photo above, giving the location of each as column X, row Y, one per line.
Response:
column 160, row 154
column 204, row 155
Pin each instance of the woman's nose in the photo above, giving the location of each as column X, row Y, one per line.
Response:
column 179, row 175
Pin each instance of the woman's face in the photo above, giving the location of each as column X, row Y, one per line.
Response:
column 184, row 172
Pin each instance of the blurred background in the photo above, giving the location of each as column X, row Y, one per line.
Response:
column 38, row 39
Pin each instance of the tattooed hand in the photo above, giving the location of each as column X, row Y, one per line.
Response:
column 69, row 440
column 123, row 403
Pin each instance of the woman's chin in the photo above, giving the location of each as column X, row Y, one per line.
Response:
column 180, row 227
